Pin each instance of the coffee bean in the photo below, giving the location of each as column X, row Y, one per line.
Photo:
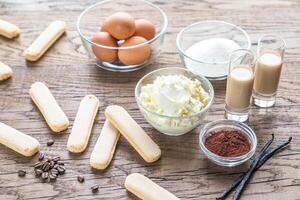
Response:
column 61, row 162
column 50, row 143
column 49, row 158
column 55, row 166
column 54, row 171
column 38, row 172
column 51, row 164
column 80, row 179
column 21, row 173
column 41, row 156
column 45, row 175
column 95, row 188
column 52, row 177
column 46, row 166
column 57, row 158
column 61, row 169
column 38, row 164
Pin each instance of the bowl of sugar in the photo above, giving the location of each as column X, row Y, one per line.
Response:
column 205, row 47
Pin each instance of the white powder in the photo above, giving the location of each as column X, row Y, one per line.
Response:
column 211, row 51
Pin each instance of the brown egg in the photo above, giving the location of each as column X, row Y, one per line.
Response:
column 136, row 55
column 144, row 28
column 103, row 54
column 120, row 25
column 103, row 26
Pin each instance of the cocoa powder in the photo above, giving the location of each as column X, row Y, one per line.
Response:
column 227, row 143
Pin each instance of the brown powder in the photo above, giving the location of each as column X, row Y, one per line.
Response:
column 227, row 143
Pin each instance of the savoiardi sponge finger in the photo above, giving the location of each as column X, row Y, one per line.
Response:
column 105, row 147
column 5, row 72
column 146, row 189
column 9, row 30
column 133, row 133
column 44, row 100
column 83, row 124
column 18, row 141
column 45, row 40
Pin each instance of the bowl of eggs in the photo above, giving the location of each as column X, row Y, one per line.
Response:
column 122, row 35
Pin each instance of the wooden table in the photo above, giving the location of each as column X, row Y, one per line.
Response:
column 183, row 169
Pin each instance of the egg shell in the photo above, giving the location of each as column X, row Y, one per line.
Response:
column 103, row 54
column 103, row 26
column 120, row 25
column 144, row 28
column 136, row 55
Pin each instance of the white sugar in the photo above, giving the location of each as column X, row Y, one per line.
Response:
column 214, row 50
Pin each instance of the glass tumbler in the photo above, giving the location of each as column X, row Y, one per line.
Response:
column 239, row 85
column 267, row 70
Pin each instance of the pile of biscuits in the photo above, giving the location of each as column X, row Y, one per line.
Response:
column 118, row 121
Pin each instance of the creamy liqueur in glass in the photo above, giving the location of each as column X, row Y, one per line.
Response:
column 239, row 85
column 267, row 70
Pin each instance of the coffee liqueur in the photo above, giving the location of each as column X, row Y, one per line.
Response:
column 267, row 74
column 239, row 85
column 239, row 88
column 267, row 70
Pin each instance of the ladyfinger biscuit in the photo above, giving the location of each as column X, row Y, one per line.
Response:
column 8, row 30
column 5, row 71
column 53, row 114
column 45, row 40
column 83, row 124
column 146, row 189
column 105, row 146
column 18, row 141
column 133, row 133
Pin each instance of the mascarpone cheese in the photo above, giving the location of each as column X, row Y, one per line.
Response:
column 174, row 96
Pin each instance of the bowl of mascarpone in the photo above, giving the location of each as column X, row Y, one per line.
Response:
column 174, row 100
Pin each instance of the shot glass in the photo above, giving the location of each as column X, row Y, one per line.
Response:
column 267, row 70
column 239, row 85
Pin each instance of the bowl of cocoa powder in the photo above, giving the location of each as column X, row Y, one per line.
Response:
column 227, row 143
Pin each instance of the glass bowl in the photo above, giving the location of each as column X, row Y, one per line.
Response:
column 170, row 125
column 194, row 44
column 89, row 21
column 227, row 125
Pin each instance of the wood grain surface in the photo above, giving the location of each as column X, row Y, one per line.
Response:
column 183, row 169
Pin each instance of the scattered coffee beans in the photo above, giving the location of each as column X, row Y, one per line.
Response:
column 61, row 169
column 52, row 177
column 56, row 159
column 54, row 171
column 45, row 176
column 38, row 172
column 21, row 173
column 48, row 168
column 80, row 179
column 38, row 165
column 95, row 188
column 50, row 143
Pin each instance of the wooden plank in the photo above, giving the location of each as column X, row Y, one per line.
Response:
column 182, row 169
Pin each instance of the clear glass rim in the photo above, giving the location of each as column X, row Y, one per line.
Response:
column 161, row 33
column 179, row 36
column 226, row 122
column 202, row 78
column 282, row 47
column 248, row 51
